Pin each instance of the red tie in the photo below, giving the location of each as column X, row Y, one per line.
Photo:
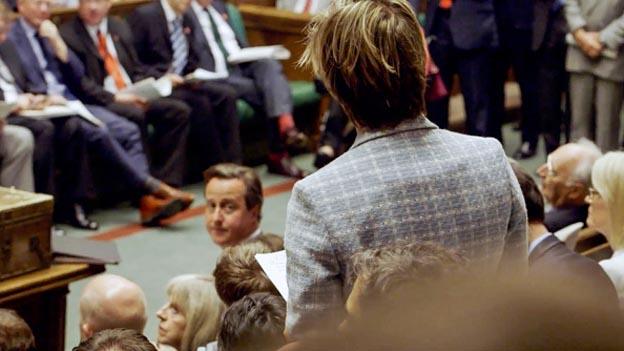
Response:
column 307, row 6
column 445, row 4
column 110, row 63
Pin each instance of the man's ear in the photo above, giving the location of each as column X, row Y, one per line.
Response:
column 85, row 331
column 577, row 192
column 255, row 211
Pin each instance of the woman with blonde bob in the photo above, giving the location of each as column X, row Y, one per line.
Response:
column 606, row 213
column 190, row 318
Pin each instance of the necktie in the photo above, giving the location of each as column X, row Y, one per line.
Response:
column 445, row 4
column 217, row 35
column 110, row 63
column 179, row 46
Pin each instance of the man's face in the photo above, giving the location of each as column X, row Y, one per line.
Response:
column 34, row 11
column 92, row 12
column 228, row 220
column 179, row 6
column 556, row 174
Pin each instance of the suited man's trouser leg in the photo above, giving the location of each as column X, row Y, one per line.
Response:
column 582, row 92
column 609, row 97
column 552, row 84
column 16, row 149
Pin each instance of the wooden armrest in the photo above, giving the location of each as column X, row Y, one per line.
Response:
column 599, row 252
column 271, row 26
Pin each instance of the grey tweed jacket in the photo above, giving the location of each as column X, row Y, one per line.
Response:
column 415, row 182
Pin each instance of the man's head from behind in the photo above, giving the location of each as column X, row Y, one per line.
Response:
column 92, row 12
column 34, row 11
column 531, row 193
column 233, row 203
column 384, row 275
column 116, row 340
column 15, row 334
column 370, row 56
column 238, row 274
column 110, row 301
column 255, row 322
column 566, row 175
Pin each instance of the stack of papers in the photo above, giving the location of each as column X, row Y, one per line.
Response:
column 6, row 109
column 71, row 108
column 274, row 265
column 150, row 88
column 276, row 52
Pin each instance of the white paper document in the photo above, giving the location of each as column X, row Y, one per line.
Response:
column 150, row 88
column 276, row 52
column 274, row 265
column 202, row 74
column 6, row 109
column 71, row 108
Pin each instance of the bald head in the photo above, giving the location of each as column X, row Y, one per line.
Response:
column 110, row 301
column 566, row 175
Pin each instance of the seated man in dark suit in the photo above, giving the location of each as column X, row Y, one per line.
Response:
column 552, row 261
column 46, row 73
column 162, row 41
column 260, row 83
column 565, row 183
column 105, row 47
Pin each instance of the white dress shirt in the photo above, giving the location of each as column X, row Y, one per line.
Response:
column 537, row 241
column 7, row 83
column 54, row 86
column 170, row 15
column 109, row 82
column 228, row 37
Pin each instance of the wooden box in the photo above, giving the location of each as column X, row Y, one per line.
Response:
column 25, row 222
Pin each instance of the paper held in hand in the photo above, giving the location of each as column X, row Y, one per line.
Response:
column 71, row 108
column 274, row 265
column 150, row 88
column 6, row 109
column 276, row 52
column 202, row 74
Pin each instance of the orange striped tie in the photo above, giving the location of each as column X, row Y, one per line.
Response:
column 445, row 4
column 110, row 63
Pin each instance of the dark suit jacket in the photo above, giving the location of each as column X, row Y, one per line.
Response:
column 11, row 59
column 152, row 39
column 78, row 39
column 472, row 22
column 559, row 218
column 69, row 73
column 552, row 261
column 549, row 28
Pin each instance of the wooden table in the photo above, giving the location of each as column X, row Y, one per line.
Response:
column 40, row 298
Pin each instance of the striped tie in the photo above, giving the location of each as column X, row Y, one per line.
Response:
column 180, row 47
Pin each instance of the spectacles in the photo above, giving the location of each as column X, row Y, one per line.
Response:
column 594, row 194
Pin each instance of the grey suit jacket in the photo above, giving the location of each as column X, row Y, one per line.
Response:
column 606, row 17
column 414, row 182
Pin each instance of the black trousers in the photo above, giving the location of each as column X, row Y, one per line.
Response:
column 214, row 125
column 166, row 146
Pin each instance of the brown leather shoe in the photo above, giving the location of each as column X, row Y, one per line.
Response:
column 168, row 192
column 153, row 209
column 281, row 163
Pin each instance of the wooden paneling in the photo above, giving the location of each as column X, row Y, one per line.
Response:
column 270, row 26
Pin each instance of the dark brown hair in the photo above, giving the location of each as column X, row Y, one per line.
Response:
column 256, row 322
column 370, row 55
column 15, row 334
column 116, row 340
column 253, row 186
column 533, row 198
column 238, row 274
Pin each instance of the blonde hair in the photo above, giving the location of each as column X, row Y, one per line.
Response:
column 198, row 301
column 608, row 180
column 370, row 56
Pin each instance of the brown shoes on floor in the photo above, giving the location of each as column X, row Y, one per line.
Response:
column 165, row 202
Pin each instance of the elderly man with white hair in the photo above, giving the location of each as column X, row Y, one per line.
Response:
column 110, row 301
column 565, row 182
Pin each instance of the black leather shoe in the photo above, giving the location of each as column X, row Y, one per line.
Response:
column 282, row 164
column 526, row 150
column 77, row 218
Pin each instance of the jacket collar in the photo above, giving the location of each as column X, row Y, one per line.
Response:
column 420, row 122
column 543, row 247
